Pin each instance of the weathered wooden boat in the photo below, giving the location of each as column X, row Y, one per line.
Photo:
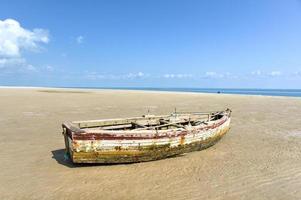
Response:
column 143, row 138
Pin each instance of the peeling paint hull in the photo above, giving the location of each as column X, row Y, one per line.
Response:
column 144, row 145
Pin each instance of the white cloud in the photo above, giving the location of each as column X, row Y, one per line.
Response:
column 275, row 73
column 134, row 75
column 256, row 73
column 79, row 39
column 263, row 74
column 177, row 76
column 213, row 75
column 31, row 68
column 96, row 76
column 11, row 62
column 168, row 75
column 49, row 68
column 16, row 65
column 14, row 39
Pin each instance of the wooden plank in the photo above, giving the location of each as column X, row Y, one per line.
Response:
column 174, row 124
column 71, row 127
column 163, row 125
column 110, row 122
column 139, row 125
column 117, row 127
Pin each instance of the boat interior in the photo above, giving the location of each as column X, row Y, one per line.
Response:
column 151, row 122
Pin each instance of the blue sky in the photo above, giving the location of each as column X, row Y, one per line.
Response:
column 209, row 43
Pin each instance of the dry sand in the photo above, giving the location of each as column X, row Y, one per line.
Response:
column 260, row 158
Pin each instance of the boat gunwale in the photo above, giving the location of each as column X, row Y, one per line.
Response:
column 153, row 132
column 87, row 131
column 143, row 135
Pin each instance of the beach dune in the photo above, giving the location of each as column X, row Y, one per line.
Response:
column 260, row 157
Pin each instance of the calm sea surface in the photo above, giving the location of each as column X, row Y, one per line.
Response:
column 265, row 92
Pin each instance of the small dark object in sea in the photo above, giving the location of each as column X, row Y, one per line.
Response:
column 218, row 92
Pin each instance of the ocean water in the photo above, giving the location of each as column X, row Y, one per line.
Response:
column 265, row 92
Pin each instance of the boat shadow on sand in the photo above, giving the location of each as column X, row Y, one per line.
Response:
column 60, row 157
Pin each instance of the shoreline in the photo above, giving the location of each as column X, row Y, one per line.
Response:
column 145, row 90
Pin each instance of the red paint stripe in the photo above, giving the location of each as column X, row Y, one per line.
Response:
column 100, row 136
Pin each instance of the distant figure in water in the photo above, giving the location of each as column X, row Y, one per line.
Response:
column 218, row 92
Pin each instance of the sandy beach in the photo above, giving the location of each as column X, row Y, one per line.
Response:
column 260, row 157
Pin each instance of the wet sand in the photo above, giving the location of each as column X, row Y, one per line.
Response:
column 260, row 158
